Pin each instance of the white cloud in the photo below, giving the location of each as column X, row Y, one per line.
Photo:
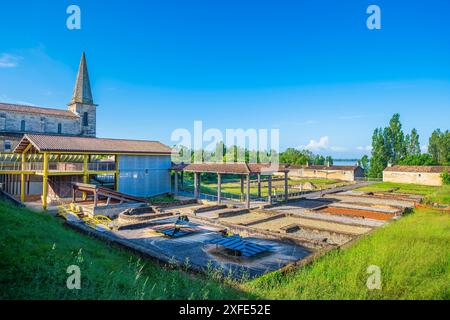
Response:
column 323, row 144
column 424, row 149
column 366, row 148
column 8, row 60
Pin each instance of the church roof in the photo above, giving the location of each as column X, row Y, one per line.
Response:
column 53, row 143
column 36, row 110
column 82, row 92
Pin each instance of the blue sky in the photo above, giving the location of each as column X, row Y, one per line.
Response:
column 309, row 68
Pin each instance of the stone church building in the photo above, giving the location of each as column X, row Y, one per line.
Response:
column 44, row 151
column 78, row 120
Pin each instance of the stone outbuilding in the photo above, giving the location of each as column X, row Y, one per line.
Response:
column 344, row 173
column 425, row 175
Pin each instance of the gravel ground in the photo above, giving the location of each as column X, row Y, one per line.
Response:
column 244, row 218
column 279, row 223
column 362, row 206
column 341, row 219
column 371, row 200
column 337, row 239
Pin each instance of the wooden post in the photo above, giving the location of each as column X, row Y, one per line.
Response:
column 269, row 186
column 22, row 179
column 117, row 174
column 259, row 185
column 45, row 182
column 219, row 188
column 85, row 174
column 175, row 183
column 242, row 188
column 286, row 187
column 248, row 192
column 196, row 184
column 182, row 179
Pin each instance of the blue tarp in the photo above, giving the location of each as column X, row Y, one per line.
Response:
column 245, row 247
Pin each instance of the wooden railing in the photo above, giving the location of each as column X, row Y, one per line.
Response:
column 56, row 166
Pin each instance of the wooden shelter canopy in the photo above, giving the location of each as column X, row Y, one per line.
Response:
column 242, row 168
column 70, row 144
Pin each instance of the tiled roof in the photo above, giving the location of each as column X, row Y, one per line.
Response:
column 430, row 169
column 323, row 167
column 51, row 143
column 37, row 110
column 229, row 168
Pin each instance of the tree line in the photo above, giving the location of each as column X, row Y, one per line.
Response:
column 390, row 145
column 238, row 154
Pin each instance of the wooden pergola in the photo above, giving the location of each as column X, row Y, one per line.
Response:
column 243, row 169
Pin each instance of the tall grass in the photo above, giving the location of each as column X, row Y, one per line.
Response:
column 35, row 251
column 413, row 255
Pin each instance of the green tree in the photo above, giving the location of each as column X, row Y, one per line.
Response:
column 395, row 139
column 439, row 147
column 329, row 160
column 412, row 143
column 365, row 164
column 380, row 153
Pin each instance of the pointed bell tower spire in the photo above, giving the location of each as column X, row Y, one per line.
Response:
column 82, row 91
column 82, row 103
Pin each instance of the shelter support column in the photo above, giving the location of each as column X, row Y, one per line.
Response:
column 242, row 188
column 286, row 186
column 85, row 173
column 219, row 188
column 45, row 182
column 248, row 192
column 196, row 184
column 269, row 191
column 22, row 179
column 175, row 183
column 259, row 185
column 117, row 174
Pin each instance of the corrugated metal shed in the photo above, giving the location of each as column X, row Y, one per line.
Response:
column 144, row 176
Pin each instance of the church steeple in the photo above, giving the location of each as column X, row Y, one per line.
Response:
column 82, row 103
column 82, row 91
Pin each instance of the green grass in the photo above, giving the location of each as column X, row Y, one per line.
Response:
column 412, row 253
column 432, row 194
column 162, row 199
column 36, row 249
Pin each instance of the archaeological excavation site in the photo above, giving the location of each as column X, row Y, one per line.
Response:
column 240, row 241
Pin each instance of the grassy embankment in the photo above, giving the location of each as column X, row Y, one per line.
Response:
column 36, row 249
column 413, row 254
column 432, row 194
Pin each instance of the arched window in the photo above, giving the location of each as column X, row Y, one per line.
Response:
column 22, row 125
column 85, row 119
column 59, row 128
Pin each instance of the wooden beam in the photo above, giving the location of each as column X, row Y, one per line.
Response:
column 45, row 182
column 85, row 173
column 269, row 189
column 248, row 192
column 219, row 188
column 286, row 187
column 259, row 185
column 117, row 172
